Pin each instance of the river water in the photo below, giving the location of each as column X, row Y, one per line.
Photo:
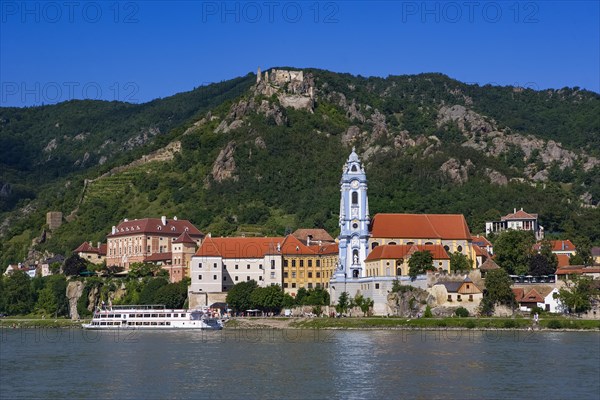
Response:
column 72, row 363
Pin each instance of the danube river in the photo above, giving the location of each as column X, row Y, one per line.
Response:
column 298, row 364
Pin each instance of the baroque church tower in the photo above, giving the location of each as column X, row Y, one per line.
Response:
column 354, row 221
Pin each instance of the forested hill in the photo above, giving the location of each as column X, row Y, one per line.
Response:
column 263, row 157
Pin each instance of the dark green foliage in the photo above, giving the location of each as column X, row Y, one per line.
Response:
column 427, row 313
column 513, row 251
column 510, row 323
column 74, row 265
column 399, row 288
column 461, row 312
column 312, row 297
column 554, row 324
column 419, row 263
column 343, row 303
column 364, row 303
column 269, row 299
column 239, row 297
column 497, row 290
column 459, row 262
column 577, row 294
column 17, row 293
column 291, row 181
column 149, row 293
column 172, row 295
column 539, row 265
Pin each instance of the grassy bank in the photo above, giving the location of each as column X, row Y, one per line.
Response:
column 465, row 323
column 34, row 322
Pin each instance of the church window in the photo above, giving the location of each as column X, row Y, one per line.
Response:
column 410, row 243
column 398, row 271
column 355, row 225
column 459, row 248
column 373, row 245
column 392, row 243
column 354, row 198
column 446, row 248
column 199, row 277
column 354, row 169
column 387, row 271
column 428, row 243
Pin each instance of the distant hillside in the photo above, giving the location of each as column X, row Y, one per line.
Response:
column 242, row 157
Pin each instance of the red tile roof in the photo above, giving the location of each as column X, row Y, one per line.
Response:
column 489, row 265
column 328, row 249
column 557, row 245
column 159, row 257
column 519, row 215
column 293, row 246
column 239, row 247
column 387, row 252
column 530, row 296
column 481, row 241
column 173, row 227
column 316, row 235
column 481, row 252
column 184, row 238
column 420, row 226
column 563, row 260
column 577, row 269
column 86, row 247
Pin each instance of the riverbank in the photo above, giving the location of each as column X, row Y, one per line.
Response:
column 27, row 322
column 418, row 323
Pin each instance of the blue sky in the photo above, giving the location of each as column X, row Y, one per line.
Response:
column 52, row 51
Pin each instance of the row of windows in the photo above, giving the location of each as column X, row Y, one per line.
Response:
column 236, row 278
column 301, row 275
column 260, row 266
column 310, row 263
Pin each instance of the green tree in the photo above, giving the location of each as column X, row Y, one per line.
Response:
column 343, row 303
column 497, row 290
column 17, row 293
column 46, row 303
column 268, row 299
column 239, row 296
column 539, row 265
column 146, row 269
column 364, row 303
column 513, row 250
column 316, row 297
column 459, row 262
column 584, row 250
column 172, row 295
column 74, row 265
column 301, row 296
column 148, row 295
column 577, row 294
column 419, row 263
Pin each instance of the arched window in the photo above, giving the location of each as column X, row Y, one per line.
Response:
column 373, row 245
column 355, row 256
column 459, row 249
column 446, row 248
column 354, row 198
column 392, row 243
column 428, row 243
column 354, row 169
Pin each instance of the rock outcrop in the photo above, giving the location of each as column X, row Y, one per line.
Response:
column 456, row 172
column 74, row 292
column 224, row 166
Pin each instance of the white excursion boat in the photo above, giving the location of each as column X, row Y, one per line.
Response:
column 152, row 317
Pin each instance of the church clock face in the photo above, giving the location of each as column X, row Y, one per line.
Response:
column 354, row 184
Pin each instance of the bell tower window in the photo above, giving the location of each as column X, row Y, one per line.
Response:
column 354, row 198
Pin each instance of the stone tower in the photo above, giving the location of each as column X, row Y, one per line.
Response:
column 354, row 221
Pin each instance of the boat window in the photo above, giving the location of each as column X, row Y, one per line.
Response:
column 146, row 315
column 138, row 323
column 168, row 322
column 103, row 323
column 175, row 315
column 161, row 315
column 168, row 315
column 153, row 323
column 139, row 315
column 154, row 315
column 117, row 315
column 183, row 315
column 146, row 323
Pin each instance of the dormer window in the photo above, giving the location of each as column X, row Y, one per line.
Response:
column 158, row 227
column 186, row 229
column 172, row 228
column 354, row 169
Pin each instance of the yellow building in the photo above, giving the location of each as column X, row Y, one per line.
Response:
column 305, row 266
column 447, row 230
column 392, row 260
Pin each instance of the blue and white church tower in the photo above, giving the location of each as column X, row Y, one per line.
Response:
column 354, row 222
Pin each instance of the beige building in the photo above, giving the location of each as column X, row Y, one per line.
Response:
column 392, row 260
column 147, row 240
column 95, row 255
column 447, row 230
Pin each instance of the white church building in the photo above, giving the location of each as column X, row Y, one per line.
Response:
column 448, row 232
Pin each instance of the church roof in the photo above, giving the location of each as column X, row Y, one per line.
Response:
column 393, row 251
column 239, row 247
column 481, row 241
column 420, row 226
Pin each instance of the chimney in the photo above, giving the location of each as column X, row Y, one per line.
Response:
column 308, row 240
column 175, row 218
column 114, row 229
column 514, row 210
column 98, row 245
column 163, row 219
column 563, row 244
column 279, row 247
